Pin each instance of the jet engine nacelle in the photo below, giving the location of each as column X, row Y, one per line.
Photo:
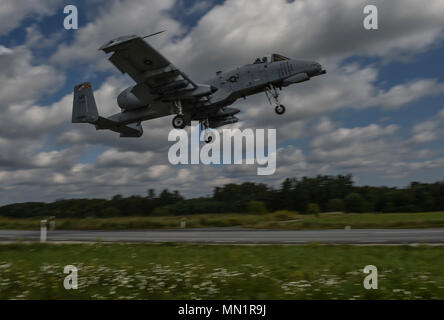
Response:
column 128, row 101
column 300, row 77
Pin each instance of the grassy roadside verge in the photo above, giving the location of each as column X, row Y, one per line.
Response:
column 278, row 220
column 142, row 271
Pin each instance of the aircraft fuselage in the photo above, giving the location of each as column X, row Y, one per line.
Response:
column 254, row 78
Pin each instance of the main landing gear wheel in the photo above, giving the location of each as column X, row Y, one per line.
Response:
column 179, row 122
column 280, row 109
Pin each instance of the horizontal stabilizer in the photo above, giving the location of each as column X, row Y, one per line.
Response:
column 126, row 131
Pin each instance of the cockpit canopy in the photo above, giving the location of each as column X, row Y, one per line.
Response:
column 274, row 58
column 277, row 57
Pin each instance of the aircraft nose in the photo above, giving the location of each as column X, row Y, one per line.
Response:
column 316, row 68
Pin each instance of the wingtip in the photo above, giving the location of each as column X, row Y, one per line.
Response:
column 154, row 34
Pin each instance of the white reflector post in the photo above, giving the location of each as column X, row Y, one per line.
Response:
column 183, row 223
column 43, row 230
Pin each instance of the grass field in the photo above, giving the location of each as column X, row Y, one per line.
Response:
column 142, row 271
column 277, row 220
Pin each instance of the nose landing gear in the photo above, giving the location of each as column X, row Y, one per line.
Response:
column 272, row 92
column 280, row 109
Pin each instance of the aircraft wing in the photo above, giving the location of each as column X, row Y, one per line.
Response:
column 154, row 74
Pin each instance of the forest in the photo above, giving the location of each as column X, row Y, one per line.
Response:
column 306, row 196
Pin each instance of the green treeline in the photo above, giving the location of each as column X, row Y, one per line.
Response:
column 306, row 195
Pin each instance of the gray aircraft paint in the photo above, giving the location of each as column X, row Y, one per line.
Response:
column 162, row 89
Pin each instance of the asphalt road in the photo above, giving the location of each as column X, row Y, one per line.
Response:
column 238, row 235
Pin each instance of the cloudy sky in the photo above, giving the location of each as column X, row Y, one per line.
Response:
column 378, row 113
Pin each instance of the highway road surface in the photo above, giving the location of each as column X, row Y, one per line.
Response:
column 239, row 235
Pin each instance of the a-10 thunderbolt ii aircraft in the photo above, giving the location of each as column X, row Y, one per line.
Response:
column 162, row 89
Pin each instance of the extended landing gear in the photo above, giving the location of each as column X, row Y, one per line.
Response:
column 208, row 136
column 280, row 109
column 272, row 92
column 179, row 120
